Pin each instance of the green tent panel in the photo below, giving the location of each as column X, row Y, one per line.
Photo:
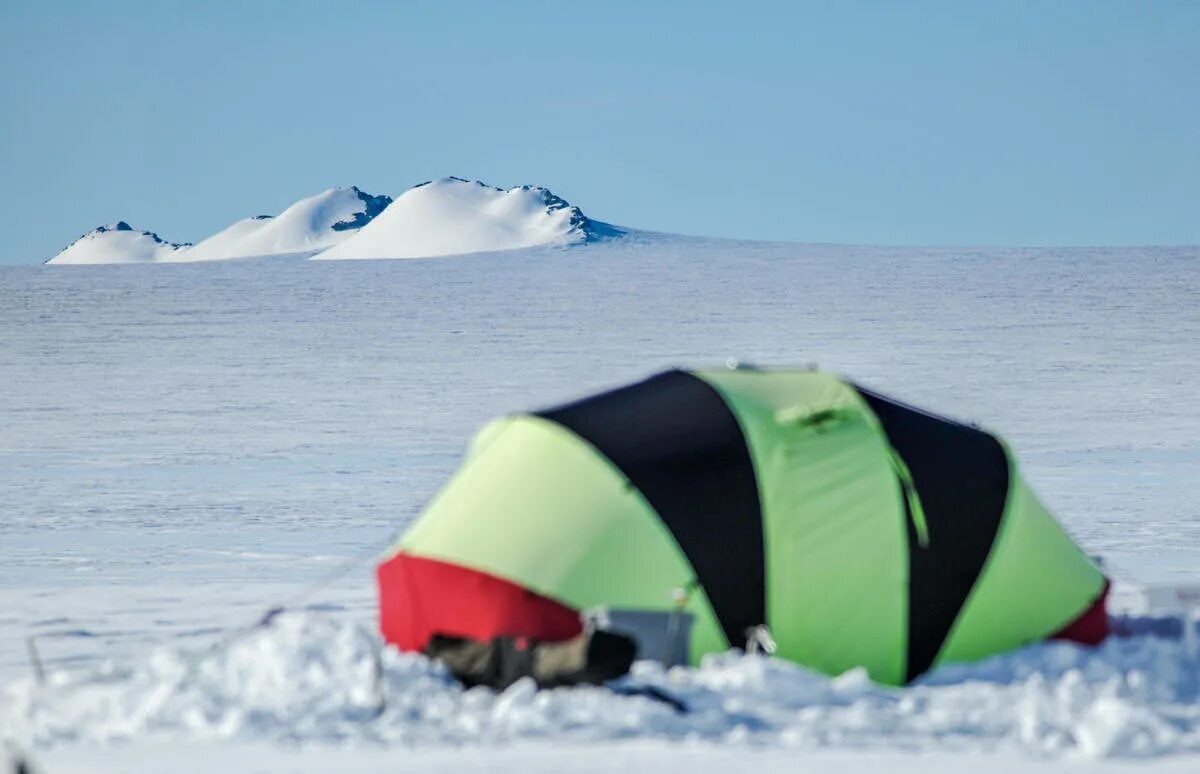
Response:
column 1034, row 578
column 860, row 532
column 534, row 504
column 830, row 500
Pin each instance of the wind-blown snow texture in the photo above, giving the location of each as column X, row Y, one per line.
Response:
column 118, row 243
column 452, row 216
column 181, row 449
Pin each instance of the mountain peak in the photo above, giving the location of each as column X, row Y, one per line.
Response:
column 307, row 226
column 117, row 243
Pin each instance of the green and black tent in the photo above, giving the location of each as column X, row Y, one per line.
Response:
column 853, row 529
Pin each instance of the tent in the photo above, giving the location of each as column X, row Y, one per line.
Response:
column 837, row 527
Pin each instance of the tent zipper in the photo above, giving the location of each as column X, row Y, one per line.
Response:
column 912, row 502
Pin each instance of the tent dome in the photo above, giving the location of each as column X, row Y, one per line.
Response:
column 857, row 530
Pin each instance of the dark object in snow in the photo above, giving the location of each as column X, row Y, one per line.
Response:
column 652, row 693
column 372, row 206
column 589, row 658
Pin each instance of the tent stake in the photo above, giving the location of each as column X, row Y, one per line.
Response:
column 378, row 683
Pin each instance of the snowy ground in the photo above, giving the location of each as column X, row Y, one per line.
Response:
column 182, row 446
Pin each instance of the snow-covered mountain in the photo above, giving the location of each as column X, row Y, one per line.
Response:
column 118, row 243
column 452, row 216
column 311, row 224
column 442, row 217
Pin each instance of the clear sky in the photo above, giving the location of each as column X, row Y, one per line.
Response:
column 1044, row 123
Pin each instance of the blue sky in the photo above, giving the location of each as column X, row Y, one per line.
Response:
column 893, row 123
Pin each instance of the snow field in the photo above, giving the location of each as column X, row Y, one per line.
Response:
column 181, row 447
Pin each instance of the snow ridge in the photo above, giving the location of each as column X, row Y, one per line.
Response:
column 551, row 200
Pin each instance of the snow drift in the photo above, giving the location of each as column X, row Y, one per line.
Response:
column 311, row 224
column 314, row 679
column 118, row 243
column 452, row 216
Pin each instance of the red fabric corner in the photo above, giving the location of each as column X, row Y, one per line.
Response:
column 420, row 597
column 1091, row 627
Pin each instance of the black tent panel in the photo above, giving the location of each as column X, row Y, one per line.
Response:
column 676, row 440
column 961, row 477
